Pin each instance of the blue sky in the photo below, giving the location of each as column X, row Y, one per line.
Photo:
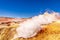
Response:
column 27, row 8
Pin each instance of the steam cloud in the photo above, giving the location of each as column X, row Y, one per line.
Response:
column 32, row 26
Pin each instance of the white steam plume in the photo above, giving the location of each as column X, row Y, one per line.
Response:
column 32, row 26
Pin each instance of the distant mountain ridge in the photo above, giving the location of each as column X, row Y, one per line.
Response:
column 6, row 19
